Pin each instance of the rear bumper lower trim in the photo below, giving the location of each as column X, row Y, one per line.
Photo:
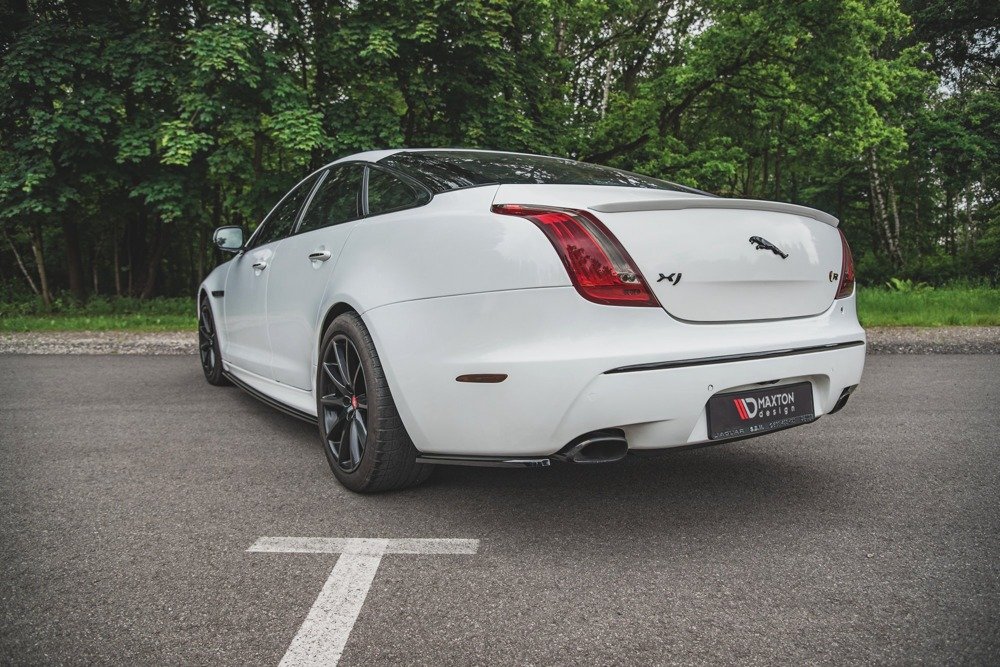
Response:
column 488, row 461
column 730, row 358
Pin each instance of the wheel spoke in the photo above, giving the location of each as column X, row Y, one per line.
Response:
column 332, row 401
column 342, row 366
column 354, row 379
column 362, row 401
column 354, row 443
column 333, row 426
column 361, row 428
column 331, row 372
column 343, row 453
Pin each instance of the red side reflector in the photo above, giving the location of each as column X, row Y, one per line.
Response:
column 487, row 378
column 846, row 269
column 600, row 268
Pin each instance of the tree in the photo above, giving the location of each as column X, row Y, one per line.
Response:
column 131, row 129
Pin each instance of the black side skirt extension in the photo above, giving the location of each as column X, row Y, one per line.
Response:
column 486, row 461
column 276, row 404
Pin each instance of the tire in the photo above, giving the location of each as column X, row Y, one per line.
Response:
column 208, row 346
column 363, row 437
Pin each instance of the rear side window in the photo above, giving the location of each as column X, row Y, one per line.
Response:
column 278, row 225
column 337, row 199
column 388, row 193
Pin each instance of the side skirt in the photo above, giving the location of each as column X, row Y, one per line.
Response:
column 267, row 400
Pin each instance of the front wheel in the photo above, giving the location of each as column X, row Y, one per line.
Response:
column 208, row 346
column 362, row 434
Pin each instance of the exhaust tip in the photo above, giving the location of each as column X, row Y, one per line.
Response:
column 603, row 446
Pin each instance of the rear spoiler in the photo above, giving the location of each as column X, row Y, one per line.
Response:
column 715, row 202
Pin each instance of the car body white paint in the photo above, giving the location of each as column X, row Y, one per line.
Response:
column 450, row 288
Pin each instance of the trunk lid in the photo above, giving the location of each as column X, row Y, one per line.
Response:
column 697, row 255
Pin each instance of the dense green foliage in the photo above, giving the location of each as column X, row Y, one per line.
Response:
column 129, row 129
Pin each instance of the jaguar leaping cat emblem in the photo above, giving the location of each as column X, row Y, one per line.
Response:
column 761, row 243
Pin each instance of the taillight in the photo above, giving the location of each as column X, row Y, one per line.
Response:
column 597, row 264
column 846, row 269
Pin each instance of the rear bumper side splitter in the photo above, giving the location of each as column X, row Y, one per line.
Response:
column 263, row 398
column 486, row 461
column 730, row 358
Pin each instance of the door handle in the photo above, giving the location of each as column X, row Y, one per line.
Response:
column 259, row 265
column 319, row 255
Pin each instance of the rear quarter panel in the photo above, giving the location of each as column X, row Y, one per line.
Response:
column 453, row 245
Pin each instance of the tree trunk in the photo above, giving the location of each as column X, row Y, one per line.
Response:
column 895, row 216
column 137, row 249
column 881, row 211
column 606, row 85
column 43, row 279
column 117, row 262
column 153, row 265
column 20, row 264
column 949, row 216
column 74, row 260
column 765, row 170
column 779, row 154
column 93, row 270
column 840, row 200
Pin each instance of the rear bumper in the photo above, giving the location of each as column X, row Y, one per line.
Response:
column 575, row 367
column 673, row 410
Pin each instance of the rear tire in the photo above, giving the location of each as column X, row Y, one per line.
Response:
column 363, row 436
column 208, row 346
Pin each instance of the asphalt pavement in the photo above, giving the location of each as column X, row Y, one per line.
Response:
column 131, row 490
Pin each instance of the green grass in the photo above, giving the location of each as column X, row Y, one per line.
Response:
column 942, row 306
column 100, row 315
column 957, row 305
column 132, row 322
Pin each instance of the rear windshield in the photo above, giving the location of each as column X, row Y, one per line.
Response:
column 442, row 171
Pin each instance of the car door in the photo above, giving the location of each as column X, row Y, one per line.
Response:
column 301, row 271
column 247, row 345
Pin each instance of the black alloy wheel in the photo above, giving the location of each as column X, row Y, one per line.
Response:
column 344, row 400
column 362, row 433
column 208, row 346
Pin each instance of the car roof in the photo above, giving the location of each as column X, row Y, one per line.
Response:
column 378, row 154
column 431, row 168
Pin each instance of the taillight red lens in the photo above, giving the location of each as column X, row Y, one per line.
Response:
column 597, row 264
column 846, row 269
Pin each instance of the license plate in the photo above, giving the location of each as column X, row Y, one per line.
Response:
column 756, row 411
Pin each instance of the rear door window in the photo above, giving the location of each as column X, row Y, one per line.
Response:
column 337, row 199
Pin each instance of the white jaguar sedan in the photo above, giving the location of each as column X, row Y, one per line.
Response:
column 485, row 308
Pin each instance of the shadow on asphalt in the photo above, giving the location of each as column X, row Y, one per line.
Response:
column 755, row 482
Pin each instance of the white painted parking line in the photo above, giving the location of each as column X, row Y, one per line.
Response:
column 338, row 545
column 323, row 634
